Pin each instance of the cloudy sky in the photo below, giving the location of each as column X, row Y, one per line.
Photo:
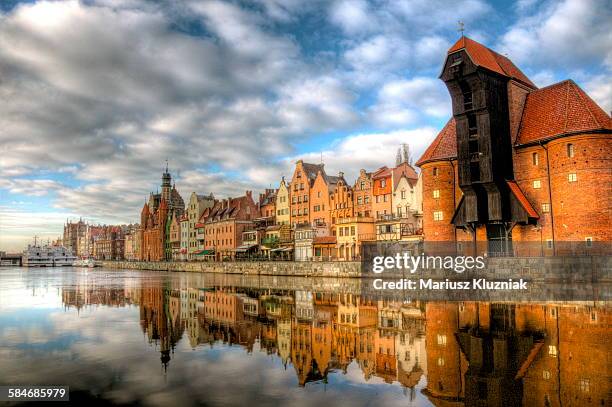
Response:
column 96, row 94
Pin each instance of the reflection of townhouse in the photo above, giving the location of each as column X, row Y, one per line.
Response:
column 283, row 335
column 304, row 305
column 354, row 316
column 572, row 366
column 446, row 365
column 322, row 335
column 301, row 352
column 222, row 307
column 157, row 322
column 406, row 324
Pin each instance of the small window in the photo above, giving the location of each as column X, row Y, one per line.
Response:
column 545, row 208
column 441, row 340
column 383, row 183
column 438, row 215
column 535, row 158
column 589, row 241
column 549, row 243
column 435, row 171
column 585, row 385
column 570, row 150
column 552, row 350
column 537, row 184
column 545, row 374
column 436, row 193
column 572, row 177
column 441, row 361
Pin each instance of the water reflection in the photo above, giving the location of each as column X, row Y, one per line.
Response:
column 436, row 353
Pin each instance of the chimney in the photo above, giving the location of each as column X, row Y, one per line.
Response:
column 341, row 174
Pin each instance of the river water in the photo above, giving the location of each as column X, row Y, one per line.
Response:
column 152, row 338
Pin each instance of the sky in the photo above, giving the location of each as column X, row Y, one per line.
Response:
column 97, row 94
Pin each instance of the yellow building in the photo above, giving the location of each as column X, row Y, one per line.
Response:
column 351, row 233
column 283, row 216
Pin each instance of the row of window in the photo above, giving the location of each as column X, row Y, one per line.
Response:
column 346, row 231
column 571, row 177
column 299, row 199
column 219, row 242
column 382, row 198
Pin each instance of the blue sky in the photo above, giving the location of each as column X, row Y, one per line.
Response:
column 97, row 94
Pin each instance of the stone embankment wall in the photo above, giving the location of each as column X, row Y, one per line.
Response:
column 552, row 269
column 272, row 268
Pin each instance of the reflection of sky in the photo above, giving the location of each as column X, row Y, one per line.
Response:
column 102, row 349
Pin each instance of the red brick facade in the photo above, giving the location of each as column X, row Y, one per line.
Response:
column 561, row 160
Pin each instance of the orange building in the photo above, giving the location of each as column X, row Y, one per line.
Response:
column 322, row 187
column 341, row 202
column 267, row 204
column 362, row 194
column 549, row 177
column 225, row 224
column 303, row 179
column 382, row 188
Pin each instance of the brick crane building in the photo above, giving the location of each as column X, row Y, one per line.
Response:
column 516, row 163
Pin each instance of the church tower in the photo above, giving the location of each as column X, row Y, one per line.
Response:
column 166, row 185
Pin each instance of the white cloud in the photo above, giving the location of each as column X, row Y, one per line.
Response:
column 353, row 16
column 599, row 87
column 405, row 102
column 368, row 151
column 569, row 33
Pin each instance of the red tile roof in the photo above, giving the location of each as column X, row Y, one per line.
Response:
column 516, row 191
column 443, row 147
column 404, row 169
column 324, row 240
column 382, row 172
column 562, row 108
column 491, row 60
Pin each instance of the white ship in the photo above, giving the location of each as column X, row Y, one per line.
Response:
column 46, row 256
column 37, row 256
column 62, row 256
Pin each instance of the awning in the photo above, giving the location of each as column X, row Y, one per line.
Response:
column 244, row 248
column 282, row 249
column 204, row 252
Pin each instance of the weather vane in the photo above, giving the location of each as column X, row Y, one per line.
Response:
column 461, row 28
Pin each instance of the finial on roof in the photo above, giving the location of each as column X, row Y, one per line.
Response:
column 461, row 27
column 166, row 165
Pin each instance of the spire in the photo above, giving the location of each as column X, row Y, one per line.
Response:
column 460, row 27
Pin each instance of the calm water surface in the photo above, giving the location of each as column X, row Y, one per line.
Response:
column 150, row 338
